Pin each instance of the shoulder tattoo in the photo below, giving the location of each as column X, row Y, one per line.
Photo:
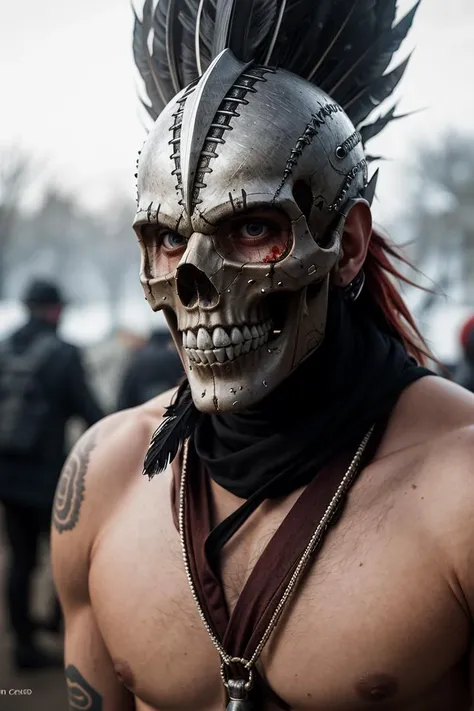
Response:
column 80, row 694
column 71, row 486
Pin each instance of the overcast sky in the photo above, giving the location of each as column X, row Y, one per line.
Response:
column 68, row 91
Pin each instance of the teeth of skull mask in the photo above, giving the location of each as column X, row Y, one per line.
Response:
column 243, row 184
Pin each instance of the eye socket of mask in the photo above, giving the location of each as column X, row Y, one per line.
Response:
column 260, row 236
column 303, row 197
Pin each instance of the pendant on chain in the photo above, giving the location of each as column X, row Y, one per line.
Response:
column 238, row 696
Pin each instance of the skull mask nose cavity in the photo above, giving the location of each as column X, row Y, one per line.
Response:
column 194, row 288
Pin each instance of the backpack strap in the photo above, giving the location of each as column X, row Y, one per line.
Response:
column 34, row 357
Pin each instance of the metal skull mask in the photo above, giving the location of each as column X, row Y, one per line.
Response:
column 244, row 185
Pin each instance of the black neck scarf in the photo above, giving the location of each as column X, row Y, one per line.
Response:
column 329, row 403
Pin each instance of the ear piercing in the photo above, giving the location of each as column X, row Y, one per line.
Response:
column 353, row 290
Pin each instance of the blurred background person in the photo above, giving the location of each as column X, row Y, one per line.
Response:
column 152, row 370
column 464, row 374
column 42, row 386
column 109, row 359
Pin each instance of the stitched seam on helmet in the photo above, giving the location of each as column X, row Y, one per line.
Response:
column 176, row 140
column 350, row 177
column 318, row 120
column 349, row 144
column 245, row 85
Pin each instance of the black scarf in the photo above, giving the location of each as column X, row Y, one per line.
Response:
column 328, row 403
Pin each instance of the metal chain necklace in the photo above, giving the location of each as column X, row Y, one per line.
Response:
column 238, row 689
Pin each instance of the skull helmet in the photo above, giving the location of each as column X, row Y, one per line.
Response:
column 248, row 174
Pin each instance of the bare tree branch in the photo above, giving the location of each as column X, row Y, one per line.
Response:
column 441, row 212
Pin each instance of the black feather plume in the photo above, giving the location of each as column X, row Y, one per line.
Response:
column 386, row 12
column 369, row 131
column 205, row 31
column 375, row 94
column 178, row 424
column 331, row 39
column 188, row 20
column 224, row 16
column 243, row 26
column 342, row 46
column 368, row 63
column 160, row 54
column 173, row 38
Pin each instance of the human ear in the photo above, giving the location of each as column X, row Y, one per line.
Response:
column 355, row 243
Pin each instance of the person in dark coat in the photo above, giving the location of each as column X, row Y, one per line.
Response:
column 152, row 370
column 42, row 386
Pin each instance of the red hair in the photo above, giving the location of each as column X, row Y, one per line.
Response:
column 381, row 272
column 466, row 332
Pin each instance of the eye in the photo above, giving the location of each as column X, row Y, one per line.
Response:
column 255, row 230
column 172, row 240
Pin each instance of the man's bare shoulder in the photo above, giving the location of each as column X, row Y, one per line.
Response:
column 431, row 413
column 104, row 462
column 433, row 436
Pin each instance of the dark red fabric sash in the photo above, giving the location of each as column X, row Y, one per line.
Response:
column 241, row 631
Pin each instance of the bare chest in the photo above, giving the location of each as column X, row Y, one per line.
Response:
column 373, row 622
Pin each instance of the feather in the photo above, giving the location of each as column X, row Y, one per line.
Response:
column 259, row 27
column 178, row 424
column 150, row 110
column 350, row 22
column 372, row 96
column 160, row 56
column 373, row 62
column 386, row 13
column 372, row 159
column 141, row 53
column 333, row 41
column 206, row 31
column 243, row 25
column 297, row 15
column 369, row 131
column 224, row 12
column 171, row 44
column 342, row 46
column 268, row 57
column 388, row 44
column 197, row 37
column 189, row 60
column 307, row 37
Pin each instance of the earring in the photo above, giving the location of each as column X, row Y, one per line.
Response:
column 353, row 290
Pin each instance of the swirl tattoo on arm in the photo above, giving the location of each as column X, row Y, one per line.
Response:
column 81, row 695
column 71, row 486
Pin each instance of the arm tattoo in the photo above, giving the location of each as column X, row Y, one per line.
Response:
column 81, row 695
column 71, row 486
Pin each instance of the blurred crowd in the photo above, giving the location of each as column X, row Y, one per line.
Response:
column 50, row 392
